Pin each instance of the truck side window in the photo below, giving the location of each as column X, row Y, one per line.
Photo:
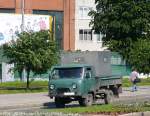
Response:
column 54, row 74
column 88, row 73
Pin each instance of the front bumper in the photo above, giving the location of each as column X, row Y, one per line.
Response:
column 63, row 92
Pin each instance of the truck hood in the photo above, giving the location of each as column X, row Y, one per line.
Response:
column 64, row 83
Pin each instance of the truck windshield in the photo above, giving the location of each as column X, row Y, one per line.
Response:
column 67, row 73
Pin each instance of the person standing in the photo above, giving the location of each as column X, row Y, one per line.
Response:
column 133, row 76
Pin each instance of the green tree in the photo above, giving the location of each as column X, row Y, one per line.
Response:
column 140, row 55
column 32, row 51
column 122, row 22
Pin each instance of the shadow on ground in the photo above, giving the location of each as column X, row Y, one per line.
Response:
column 51, row 105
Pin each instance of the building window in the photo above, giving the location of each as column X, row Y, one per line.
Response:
column 117, row 60
column 83, row 11
column 81, row 34
column 7, row 10
column 89, row 34
column 98, row 36
column 85, row 34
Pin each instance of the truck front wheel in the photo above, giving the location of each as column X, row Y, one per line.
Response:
column 59, row 102
column 88, row 101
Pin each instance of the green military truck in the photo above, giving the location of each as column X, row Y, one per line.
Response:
column 84, row 77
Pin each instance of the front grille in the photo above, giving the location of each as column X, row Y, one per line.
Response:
column 62, row 90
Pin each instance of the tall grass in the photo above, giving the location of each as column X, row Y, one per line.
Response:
column 20, row 87
column 144, row 82
column 23, row 84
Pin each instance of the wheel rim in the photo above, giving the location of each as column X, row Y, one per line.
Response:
column 108, row 97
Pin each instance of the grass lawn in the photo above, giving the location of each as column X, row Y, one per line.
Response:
column 23, row 84
column 20, row 87
column 105, row 109
column 22, row 91
column 144, row 82
column 42, row 86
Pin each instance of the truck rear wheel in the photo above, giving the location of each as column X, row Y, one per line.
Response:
column 88, row 101
column 120, row 89
column 108, row 96
column 116, row 91
column 59, row 103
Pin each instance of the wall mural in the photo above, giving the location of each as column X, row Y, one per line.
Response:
column 11, row 25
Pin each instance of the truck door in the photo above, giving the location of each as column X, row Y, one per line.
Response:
column 88, row 80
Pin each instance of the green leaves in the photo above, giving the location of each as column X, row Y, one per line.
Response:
column 34, row 51
column 123, row 22
column 140, row 55
column 122, row 18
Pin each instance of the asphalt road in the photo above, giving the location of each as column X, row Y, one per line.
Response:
column 33, row 102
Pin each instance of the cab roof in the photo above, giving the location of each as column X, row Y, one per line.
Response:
column 71, row 66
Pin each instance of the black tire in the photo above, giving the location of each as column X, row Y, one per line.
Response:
column 108, row 97
column 120, row 89
column 88, row 101
column 116, row 92
column 59, row 103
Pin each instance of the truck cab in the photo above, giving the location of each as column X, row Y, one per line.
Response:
column 71, row 81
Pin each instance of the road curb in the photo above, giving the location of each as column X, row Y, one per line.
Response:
column 3, row 108
column 147, row 113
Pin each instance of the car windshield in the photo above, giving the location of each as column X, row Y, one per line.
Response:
column 67, row 73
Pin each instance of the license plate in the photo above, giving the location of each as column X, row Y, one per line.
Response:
column 69, row 93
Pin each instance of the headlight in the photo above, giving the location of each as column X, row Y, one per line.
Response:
column 74, row 86
column 51, row 87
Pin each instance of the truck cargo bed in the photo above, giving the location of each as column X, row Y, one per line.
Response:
column 109, row 80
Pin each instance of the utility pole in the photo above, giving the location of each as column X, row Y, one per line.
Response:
column 22, row 13
column 22, row 30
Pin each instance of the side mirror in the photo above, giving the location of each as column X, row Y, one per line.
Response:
column 49, row 76
column 54, row 76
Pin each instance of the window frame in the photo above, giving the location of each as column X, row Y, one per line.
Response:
column 86, row 35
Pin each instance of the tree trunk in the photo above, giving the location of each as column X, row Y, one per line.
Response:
column 20, row 75
column 28, row 74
